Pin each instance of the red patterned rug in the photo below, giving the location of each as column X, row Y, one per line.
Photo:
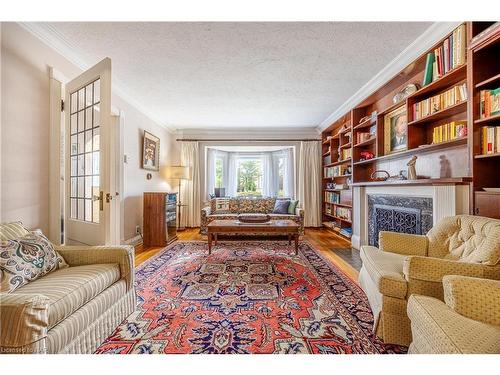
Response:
column 247, row 297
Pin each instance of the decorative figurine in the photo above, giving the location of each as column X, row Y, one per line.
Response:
column 412, row 172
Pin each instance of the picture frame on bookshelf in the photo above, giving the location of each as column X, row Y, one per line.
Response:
column 395, row 131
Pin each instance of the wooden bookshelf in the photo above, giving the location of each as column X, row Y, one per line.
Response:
column 338, row 139
column 457, row 161
column 483, row 73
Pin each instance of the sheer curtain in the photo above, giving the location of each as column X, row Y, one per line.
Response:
column 270, row 174
column 288, row 173
column 232, row 174
column 190, row 189
column 210, row 172
column 309, row 186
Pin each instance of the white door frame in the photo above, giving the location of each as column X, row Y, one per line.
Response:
column 57, row 152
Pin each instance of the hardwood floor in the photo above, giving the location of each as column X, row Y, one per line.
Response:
column 322, row 239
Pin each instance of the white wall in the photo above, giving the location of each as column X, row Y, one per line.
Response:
column 24, row 191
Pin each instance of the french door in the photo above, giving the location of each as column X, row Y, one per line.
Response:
column 88, row 122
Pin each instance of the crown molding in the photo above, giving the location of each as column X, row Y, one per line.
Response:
column 425, row 41
column 249, row 133
column 53, row 39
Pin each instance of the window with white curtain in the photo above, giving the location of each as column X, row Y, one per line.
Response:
column 249, row 174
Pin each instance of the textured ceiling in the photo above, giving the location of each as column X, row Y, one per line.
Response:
column 240, row 75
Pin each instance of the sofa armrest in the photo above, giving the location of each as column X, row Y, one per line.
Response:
column 299, row 211
column 402, row 243
column 434, row 269
column 24, row 322
column 85, row 255
column 475, row 298
column 205, row 211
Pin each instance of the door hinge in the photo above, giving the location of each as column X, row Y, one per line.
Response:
column 62, row 105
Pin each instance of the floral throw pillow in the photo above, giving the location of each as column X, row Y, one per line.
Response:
column 26, row 259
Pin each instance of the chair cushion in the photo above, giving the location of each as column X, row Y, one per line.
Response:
column 282, row 217
column 385, row 270
column 71, row 288
column 225, row 216
column 26, row 259
column 467, row 238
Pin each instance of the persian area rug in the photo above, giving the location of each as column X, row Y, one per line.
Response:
column 247, row 297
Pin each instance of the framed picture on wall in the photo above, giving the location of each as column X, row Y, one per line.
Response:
column 395, row 131
column 151, row 152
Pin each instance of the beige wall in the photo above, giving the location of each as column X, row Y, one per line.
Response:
column 24, row 154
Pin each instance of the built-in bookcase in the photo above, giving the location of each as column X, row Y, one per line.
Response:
column 337, row 176
column 447, row 159
column 483, row 74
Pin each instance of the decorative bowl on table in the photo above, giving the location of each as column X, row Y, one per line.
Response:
column 254, row 218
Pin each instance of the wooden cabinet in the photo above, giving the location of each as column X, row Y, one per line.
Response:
column 488, row 204
column 159, row 218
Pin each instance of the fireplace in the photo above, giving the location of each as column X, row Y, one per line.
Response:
column 433, row 201
column 401, row 214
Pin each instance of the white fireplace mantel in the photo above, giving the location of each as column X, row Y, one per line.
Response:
column 447, row 200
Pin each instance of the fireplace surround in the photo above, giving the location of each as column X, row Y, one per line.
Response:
column 435, row 201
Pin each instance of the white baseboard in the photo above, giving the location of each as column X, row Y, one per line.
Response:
column 134, row 241
column 355, row 241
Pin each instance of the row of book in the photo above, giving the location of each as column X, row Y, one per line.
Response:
column 335, row 171
column 343, row 213
column 448, row 56
column 449, row 131
column 363, row 137
column 346, row 231
column 346, row 153
column 331, row 197
column 490, row 140
column 489, row 103
column 436, row 103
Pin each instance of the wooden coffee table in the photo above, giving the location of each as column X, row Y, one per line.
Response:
column 279, row 227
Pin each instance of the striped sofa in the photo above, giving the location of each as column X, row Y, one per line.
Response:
column 71, row 310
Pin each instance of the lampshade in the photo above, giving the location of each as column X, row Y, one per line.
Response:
column 178, row 172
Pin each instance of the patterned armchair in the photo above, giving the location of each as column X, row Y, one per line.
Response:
column 468, row 321
column 414, row 264
column 229, row 208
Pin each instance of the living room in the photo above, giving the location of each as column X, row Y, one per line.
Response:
column 267, row 185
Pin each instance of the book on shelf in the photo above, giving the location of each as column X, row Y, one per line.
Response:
column 327, row 159
column 449, row 131
column 490, row 140
column 343, row 213
column 489, row 103
column 436, row 103
column 446, row 57
column 346, row 153
column 363, row 137
column 346, row 231
column 335, row 171
column 331, row 197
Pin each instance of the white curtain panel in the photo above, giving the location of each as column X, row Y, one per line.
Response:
column 232, row 174
column 270, row 174
column 210, row 172
column 309, row 185
column 289, row 174
column 190, row 189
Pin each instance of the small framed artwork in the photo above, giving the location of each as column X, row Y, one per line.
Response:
column 151, row 152
column 395, row 131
